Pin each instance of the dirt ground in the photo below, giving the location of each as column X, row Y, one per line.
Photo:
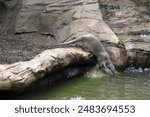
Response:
column 22, row 47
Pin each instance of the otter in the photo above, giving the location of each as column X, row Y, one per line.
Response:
column 90, row 43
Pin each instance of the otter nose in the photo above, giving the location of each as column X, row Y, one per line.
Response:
column 108, row 71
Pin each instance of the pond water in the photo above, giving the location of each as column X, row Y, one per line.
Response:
column 129, row 86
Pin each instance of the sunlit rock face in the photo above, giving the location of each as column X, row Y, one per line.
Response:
column 130, row 20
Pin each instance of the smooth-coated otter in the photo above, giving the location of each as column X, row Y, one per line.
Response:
column 90, row 43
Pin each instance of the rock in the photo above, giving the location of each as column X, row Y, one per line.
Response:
column 8, row 12
column 130, row 21
column 95, row 73
column 118, row 56
column 138, row 50
column 66, row 20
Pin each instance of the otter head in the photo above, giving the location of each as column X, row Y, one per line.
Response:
column 106, row 65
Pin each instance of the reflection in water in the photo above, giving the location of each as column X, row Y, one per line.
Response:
column 120, row 87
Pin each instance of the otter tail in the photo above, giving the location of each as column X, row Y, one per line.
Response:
column 69, row 43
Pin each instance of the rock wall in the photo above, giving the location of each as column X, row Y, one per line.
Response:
column 68, row 19
column 125, row 32
column 8, row 11
column 130, row 20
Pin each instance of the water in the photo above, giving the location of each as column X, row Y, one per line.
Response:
column 129, row 86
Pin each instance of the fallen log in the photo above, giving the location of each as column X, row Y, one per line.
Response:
column 20, row 75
